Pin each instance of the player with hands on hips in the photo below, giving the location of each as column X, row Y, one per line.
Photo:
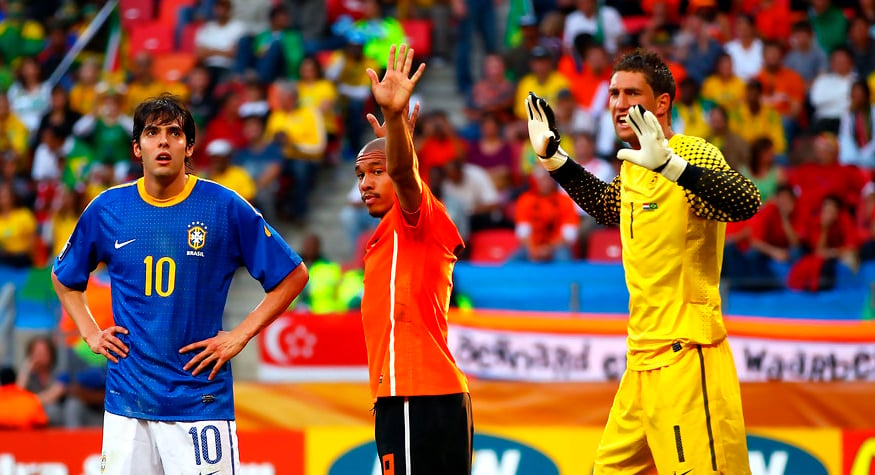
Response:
column 678, row 407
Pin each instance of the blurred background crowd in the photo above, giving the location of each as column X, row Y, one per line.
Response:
column 279, row 94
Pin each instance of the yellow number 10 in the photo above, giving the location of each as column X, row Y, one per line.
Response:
column 159, row 270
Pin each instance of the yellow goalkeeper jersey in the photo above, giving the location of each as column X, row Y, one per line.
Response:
column 672, row 237
column 672, row 258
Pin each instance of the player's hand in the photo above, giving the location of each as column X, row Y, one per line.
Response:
column 104, row 342
column 654, row 154
column 393, row 92
column 215, row 352
column 380, row 129
column 543, row 133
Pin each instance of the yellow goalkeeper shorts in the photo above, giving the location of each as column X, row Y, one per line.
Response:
column 678, row 419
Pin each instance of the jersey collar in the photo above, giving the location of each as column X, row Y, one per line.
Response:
column 173, row 200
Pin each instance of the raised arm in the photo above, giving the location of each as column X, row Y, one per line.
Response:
column 392, row 94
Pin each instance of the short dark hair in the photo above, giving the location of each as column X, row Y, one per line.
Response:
column 7, row 375
column 163, row 109
column 655, row 71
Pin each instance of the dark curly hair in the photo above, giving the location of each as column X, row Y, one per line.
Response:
column 162, row 110
column 655, row 71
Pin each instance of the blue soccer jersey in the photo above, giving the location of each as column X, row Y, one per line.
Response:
column 170, row 263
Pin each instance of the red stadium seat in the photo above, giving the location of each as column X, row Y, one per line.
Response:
column 604, row 245
column 133, row 12
column 186, row 42
column 493, row 245
column 418, row 33
column 172, row 67
column 168, row 11
column 154, row 37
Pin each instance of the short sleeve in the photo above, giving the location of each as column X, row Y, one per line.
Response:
column 80, row 254
column 265, row 254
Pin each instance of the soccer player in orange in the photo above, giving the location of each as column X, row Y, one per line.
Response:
column 422, row 406
column 678, row 407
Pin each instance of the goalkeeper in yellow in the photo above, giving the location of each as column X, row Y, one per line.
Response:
column 678, row 408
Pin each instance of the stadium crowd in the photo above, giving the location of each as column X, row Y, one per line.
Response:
column 279, row 91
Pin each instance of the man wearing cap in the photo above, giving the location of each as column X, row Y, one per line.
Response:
column 230, row 176
column 544, row 81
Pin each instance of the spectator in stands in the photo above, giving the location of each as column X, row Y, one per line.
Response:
column 49, row 157
column 108, row 130
column 274, row 52
column 348, row 70
column 224, row 173
column 753, row 119
column 588, row 71
column 13, row 132
column 83, row 94
column 518, row 57
column 200, row 101
column 746, row 49
column 438, row 144
column 823, row 175
column 29, row 96
column 723, row 87
column 471, row 186
column 856, row 141
column 777, row 228
column 19, row 409
column 806, row 57
column 546, row 221
column 544, row 80
column 830, row 24
column 263, row 161
column 316, row 92
column 17, row 231
column 552, row 27
column 253, row 100
column 493, row 94
column 603, row 22
column 142, row 83
column 830, row 93
column 584, row 154
column 495, row 155
column 38, row 375
column 862, row 46
column 300, row 132
column 11, row 175
column 698, row 51
column 57, row 45
column 60, row 114
column 66, row 208
column 783, row 88
column 320, row 296
column 570, row 118
column 375, row 31
column 690, row 112
column 216, row 42
column 225, row 124
column 832, row 234
column 472, row 16
column 763, row 171
column 20, row 37
column 772, row 19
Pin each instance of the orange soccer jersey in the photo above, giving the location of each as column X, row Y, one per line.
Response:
column 408, row 280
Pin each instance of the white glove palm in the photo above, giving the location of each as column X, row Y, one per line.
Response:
column 654, row 154
column 543, row 133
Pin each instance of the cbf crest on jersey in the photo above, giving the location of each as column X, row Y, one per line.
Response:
column 197, row 238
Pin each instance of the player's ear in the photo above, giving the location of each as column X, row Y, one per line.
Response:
column 663, row 105
column 135, row 145
column 189, row 150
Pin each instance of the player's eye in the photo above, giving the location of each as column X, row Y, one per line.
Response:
column 360, row 176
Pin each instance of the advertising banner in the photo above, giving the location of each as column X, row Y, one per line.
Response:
column 541, row 347
column 77, row 452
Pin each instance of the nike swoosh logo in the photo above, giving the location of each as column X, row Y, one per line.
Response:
column 119, row 245
column 213, row 473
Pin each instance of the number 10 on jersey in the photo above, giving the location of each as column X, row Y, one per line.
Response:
column 161, row 273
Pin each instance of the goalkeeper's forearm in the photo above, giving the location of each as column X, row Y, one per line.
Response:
column 587, row 191
column 726, row 191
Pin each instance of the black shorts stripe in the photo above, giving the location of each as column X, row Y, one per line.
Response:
column 678, row 443
column 707, row 410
